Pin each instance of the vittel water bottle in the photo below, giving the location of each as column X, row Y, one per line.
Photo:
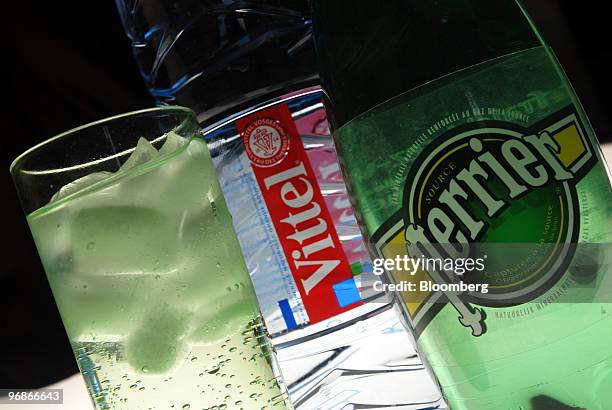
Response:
column 247, row 68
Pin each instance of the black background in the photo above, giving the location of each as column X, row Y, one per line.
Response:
column 70, row 63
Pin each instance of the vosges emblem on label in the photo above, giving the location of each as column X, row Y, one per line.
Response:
column 266, row 141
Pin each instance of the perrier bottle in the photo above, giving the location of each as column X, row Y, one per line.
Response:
column 456, row 125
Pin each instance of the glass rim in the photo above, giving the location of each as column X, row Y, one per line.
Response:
column 165, row 108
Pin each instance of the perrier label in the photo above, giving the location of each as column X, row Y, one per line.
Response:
column 460, row 136
column 493, row 182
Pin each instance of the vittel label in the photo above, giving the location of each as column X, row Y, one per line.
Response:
column 297, row 209
column 486, row 184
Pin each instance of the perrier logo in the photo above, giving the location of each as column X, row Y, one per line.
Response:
column 498, row 189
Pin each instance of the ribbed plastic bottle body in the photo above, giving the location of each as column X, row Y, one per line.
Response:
column 226, row 60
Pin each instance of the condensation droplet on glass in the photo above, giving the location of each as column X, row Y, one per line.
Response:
column 211, row 201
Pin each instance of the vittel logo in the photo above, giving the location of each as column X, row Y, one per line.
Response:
column 311, row 232
column 297, row 209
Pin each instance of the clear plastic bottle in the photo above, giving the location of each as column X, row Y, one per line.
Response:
column 227, row 60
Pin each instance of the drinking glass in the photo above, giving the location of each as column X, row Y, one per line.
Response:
column 138, row 247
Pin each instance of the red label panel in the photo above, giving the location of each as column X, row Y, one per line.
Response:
column 297, row 209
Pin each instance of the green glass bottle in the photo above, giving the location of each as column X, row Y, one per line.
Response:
column 455, row 124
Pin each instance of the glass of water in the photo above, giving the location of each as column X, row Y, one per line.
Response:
column 138, row 246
